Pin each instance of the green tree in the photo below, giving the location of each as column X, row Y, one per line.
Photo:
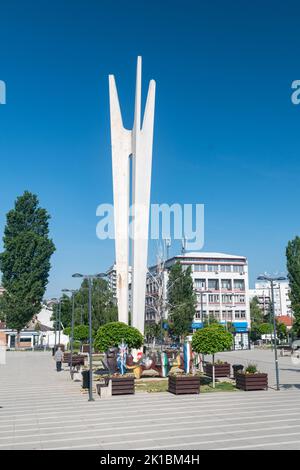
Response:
column 256, row 313
column 66, row 311
column 257, row 318
column 182, row 300
column 104, row 309
column 281, row 330
column 293, row 267
column 25, row 261
column 112, row 334
column 210, row 320
column 211, row 340
column 265, row 328
column 152, row 331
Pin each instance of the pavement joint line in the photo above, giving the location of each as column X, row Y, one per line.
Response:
column 99, row 405
column 192, row 426
column 263, row 445
column 182, row 429
column 55, row 415
column 207, row 442
column 149, row 423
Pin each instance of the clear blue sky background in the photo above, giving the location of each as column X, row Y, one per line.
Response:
column 226, row 132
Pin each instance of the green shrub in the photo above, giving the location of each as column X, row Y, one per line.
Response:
column 112, row 334
column 251, row 369
column 76, row 346
column 265, row 329
column 212, row 339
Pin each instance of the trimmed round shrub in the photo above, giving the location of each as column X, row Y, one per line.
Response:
column 211, row 340
column 112, row 334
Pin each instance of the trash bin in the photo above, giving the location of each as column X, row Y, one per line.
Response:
column 85, row 379
column 237, row 368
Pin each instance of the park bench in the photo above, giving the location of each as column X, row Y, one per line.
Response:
column 77, row 359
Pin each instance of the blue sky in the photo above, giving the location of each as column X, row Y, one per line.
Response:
column 226, row 132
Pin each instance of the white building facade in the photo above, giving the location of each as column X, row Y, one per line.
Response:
column 282, row 301
column 220, row 283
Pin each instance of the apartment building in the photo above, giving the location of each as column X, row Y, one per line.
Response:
column 112, row 281
column 220, row 283
column 282, row 301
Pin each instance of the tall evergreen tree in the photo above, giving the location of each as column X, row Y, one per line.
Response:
column 182, row 299
column 293, row 267
column 25, row 261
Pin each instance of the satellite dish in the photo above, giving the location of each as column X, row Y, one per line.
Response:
column 295, row 357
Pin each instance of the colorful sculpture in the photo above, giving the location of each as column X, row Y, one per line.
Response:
column 122, row 357
column 187, row 357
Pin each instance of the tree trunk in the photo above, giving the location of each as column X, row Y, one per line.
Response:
column 213, row 368
column 18, row 340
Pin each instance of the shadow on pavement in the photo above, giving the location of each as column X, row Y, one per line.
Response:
column 289, row 386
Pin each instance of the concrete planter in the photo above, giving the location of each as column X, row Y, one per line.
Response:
column 184, row 384
column 252, row 381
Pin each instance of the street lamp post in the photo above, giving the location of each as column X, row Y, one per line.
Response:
column 272, row 279
column 72, row 291
column 57, row 320
column 89, row 278
column 55, row 327
column 201, row 292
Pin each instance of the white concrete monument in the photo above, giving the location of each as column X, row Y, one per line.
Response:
column 135, row 144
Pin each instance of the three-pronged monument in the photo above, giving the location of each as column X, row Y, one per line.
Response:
column 135, row 144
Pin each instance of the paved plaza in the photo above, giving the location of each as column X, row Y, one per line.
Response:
column 43, row 409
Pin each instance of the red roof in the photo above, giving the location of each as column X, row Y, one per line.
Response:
column 286, row 319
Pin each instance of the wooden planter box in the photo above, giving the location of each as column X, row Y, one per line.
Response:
column 183, row 384
column 221, row 370
column 122, row 385
column 252, row 381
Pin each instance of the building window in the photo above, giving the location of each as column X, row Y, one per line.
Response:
column 239, row 284
column 238, row 268
column 226, row 284
column 225, row 268
column 199, row 283
column 199, row 267
column 243, row 314
column 226, row 298
column 204, row 299
column 240, row 299
column 213, row 298
column 227, row 314
column 25, row 340
column 212, row 268
column 213, row 284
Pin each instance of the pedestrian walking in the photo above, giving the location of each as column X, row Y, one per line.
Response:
column 58, row 356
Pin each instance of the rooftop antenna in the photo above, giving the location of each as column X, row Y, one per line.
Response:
column 168, row 245
column 183, row 245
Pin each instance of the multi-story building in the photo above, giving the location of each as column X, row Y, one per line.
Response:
column 112, row 280
column 282, row 301
column 221, row 285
